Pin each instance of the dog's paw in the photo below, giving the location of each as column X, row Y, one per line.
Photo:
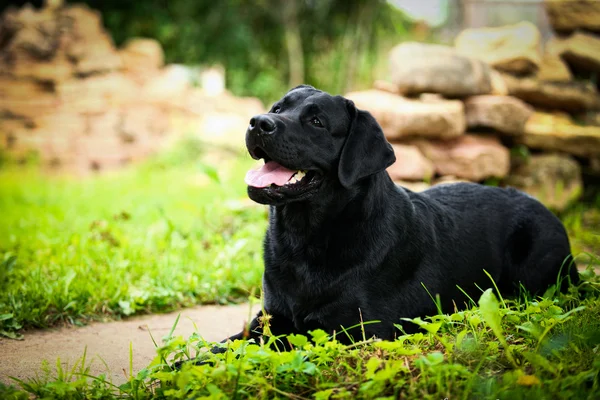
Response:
column 178, row 365
column 200, row 360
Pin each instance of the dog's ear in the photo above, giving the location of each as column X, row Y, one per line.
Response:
column 366, row 150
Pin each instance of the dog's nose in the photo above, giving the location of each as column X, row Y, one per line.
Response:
column 262, row 124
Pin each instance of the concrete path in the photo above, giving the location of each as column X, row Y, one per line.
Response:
column 110, row 341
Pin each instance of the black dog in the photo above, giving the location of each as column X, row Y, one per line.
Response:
column 346, row 245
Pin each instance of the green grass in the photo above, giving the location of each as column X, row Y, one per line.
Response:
column 168, row 234
column 174, row 232
column 543, row 348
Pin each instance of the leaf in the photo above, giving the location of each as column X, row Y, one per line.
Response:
column 297, row 340
column 532, row 328
column 319, row 336
column 460, row 337
column 568, row 313
column 431, row 327
column 372, row 366
column 490, row 310
column 4, row 317
column 435, row 358
column 475, row 320
column 11, row 335
column 398, row 347
column 323, row 394
column 9, row 263
column 210, row 171
column 528, row 380
column 309, row 368
column 126, row 307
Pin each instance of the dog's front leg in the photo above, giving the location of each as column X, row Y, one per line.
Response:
column 264, row 326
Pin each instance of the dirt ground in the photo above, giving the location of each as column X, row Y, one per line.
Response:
column 108, row 343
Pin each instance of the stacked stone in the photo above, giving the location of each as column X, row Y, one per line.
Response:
column 67, row 93
column 453, row 113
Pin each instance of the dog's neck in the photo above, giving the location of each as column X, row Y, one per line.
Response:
column 341, row 220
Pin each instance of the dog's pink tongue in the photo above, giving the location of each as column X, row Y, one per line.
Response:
column 270, row 173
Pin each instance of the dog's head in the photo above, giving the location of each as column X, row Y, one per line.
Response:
column 310, row 140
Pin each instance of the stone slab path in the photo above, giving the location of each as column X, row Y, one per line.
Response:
column 110, row 341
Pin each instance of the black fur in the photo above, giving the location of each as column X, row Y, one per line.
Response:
column 351, row 246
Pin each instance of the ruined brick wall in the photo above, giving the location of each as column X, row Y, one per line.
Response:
column 69, row 94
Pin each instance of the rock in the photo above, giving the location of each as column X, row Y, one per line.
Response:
column 53, row 137
column 198, row 102
column 571, row 15
column 400, row 117
column 212, row 80
column 499, row 87
column 568, row 96
column 144, row 51
column 448, row 179
column 553, row 179
column 580, row 50
column 588, row 118
column 100, row 62
column 56, row 69
column 413, row 186
column 557, row 132
column 553, row 69
column 220, row 120
column 25, row 98
column 511, row 48
column 410, row 164
column 142, row 125
column 243, row 106
column 96, row 154
column 386, row 86
column 88, row 44
column 223, row 129
column 28, row 43
column 504, row 114
column 51, row 44
column 30, row 31
column 427, row 68
column 98, row 93
column 471, row 157
column 11, row 129
column 593, row 167
column 142, row 57
column 170, row 85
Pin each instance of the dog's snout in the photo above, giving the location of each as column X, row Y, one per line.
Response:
column 262, row 124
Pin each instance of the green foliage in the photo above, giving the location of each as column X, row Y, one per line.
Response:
column 341, row 41
column 548, row 349
column 167, row 234
column 583, row 226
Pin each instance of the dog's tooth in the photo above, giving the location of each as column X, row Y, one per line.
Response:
column 300, row 174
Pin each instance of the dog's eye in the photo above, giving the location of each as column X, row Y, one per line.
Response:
column 316, row 122
column 276, row 109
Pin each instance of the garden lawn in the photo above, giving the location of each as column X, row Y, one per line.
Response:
column 170, row 233
column 543, row 348
column 177, row 231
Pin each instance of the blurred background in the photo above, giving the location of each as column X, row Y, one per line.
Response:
column 122, row 126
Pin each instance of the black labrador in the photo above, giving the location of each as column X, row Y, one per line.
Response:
column 345, row 244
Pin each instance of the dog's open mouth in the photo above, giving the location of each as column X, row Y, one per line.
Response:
column 275, row 175
column 274, row 183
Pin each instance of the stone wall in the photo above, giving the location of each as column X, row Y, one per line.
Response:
column 498, row 104
column 83, row 105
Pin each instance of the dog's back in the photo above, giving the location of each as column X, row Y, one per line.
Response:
column 529, row 242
